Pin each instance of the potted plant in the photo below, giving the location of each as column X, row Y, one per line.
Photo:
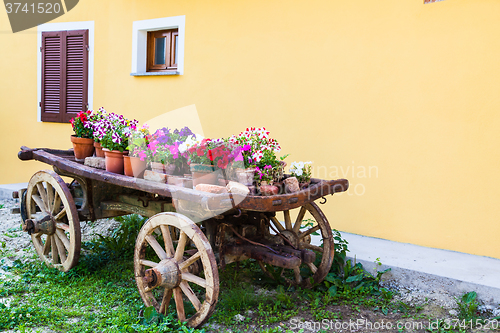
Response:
column 136, row 161
column 206, row 159
column 83, row 143
column 114, row 134
column 302, row 172
column 95, row 117
column 259, row 151
column 165, row 145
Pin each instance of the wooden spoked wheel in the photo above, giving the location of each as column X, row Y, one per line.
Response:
column 309, row 219
column 54, row 226
column 174, row 258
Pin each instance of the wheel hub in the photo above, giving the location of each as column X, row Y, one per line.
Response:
column 45, row 225
column 292, row 238
column 166, row 274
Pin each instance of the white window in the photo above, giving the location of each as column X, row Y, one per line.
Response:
column 140, row 30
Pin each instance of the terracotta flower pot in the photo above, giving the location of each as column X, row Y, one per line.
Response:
column 269, row 190
column 158, row 167
column 203, row 174
column 245, row 176
column 114, row 160
column 138, row 166
column 98, row 149
column 127, row 166
column 82, row 147
column 169, row 169
column 291, row 185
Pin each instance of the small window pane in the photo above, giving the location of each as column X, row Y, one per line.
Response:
column 176, row 48
column 160, row 51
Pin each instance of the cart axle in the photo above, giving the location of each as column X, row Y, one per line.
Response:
column 286, row 258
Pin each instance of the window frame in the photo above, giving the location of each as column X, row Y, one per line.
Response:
column 140, row 31
column 170, row 36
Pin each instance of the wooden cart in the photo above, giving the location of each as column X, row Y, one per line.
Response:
column 189, row 233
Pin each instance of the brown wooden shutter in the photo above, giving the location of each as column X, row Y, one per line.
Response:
column 64, row 74
column 76, row 72
column 52, row 79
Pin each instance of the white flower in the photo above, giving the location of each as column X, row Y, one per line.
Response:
column 299, row 172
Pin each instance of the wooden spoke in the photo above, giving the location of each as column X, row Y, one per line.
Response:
column 63, row 226
column 179, row 304
column 312, row 267
column 188, row 262
column 43, row 195
column 64, row 239
column 195, row 279
column 179, row 251
column 167, row 237
column 148, row 263
column 60, row 249
column 156, row 247
column 298, row 221
column 39, row 202
column 61, row 214
column 288, row 222
column 165, row 301
column 277, row 224
column 186, row 289
column 313, row 247
column 57, row 203
column 49, row 192
column 309, row 231
column 54, row 250
column 50, row 197
column 46, row 246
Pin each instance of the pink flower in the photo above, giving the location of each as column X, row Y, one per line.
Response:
column 142, row 155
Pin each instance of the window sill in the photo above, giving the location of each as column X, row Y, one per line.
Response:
column 154, row 73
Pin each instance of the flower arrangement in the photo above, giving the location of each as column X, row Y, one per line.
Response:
column 259, row 151
column 301, row 170
column 138, row 143
column 217, row 152
column 82, row 125
column 113, row 131
column 166, row 146
column 95, row 118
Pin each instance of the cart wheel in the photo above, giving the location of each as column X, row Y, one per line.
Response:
column 55, row 228
column 175, row 269
column 307, row 274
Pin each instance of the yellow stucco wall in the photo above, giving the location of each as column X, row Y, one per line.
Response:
column 410, row 90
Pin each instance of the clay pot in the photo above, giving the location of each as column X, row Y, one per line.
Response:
column 291, row 185
column 169, row 169
column 138, row 166
column 245, row 176
column 114, row 160
column 269, row 190
column 98, row 149
column 158, row 167
column 83, row 147
column 203, row 174
column 127, row 166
